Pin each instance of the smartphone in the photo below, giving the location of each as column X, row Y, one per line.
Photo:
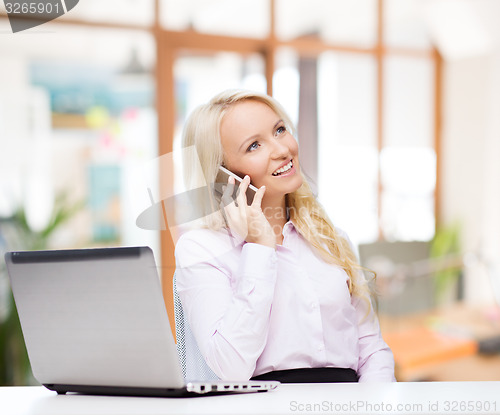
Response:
column 221, row 180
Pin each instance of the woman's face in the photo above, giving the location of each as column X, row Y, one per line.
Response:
column 256, row 142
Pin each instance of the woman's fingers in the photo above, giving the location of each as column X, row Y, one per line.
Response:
column 232, row 212
column 241, row 196
column 248, row 222
column 257, row 199
column 227, row 196
column 227, row 203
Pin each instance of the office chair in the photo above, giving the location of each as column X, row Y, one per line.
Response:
column 191, row 360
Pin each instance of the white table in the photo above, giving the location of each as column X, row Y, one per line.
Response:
column 396, row 398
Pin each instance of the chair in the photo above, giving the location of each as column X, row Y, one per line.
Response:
column 191, row 360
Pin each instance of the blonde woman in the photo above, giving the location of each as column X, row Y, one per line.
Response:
column 271, row 289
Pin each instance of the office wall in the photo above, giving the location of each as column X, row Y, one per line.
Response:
column 471, row 143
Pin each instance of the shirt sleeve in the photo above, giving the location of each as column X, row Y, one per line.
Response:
column 376, row 362
column 228, row 314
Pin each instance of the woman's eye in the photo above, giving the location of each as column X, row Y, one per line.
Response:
column 253, row 146
column 280, row 130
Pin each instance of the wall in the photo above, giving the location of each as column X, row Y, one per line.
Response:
column 471, row 146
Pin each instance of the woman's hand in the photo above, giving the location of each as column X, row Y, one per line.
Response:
column 248, row 221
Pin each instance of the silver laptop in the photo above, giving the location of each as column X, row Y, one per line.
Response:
column 94, row 321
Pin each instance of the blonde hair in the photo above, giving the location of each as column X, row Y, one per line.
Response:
column 202, row 130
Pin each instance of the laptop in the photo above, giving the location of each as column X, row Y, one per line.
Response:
column 94, row 321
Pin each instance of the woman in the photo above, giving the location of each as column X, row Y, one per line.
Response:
column 271, row 290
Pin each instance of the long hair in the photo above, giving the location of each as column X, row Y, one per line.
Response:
column 202, row 130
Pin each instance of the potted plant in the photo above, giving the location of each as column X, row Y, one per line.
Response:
column 445, row 251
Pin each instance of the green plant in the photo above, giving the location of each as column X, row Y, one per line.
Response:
column 14, row 368
column 16, row 234
column 62, row 212
column 446, row 244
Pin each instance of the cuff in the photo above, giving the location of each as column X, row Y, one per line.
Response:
column 258, row 261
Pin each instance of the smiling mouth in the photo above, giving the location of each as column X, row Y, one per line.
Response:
column 283, row 169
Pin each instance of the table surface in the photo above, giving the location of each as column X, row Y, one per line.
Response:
column 364, row 398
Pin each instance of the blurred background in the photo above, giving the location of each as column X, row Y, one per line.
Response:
column 397, row 104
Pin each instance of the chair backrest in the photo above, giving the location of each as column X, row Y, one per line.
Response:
column 191, row 360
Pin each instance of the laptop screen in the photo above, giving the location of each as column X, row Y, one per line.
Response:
column 94, row 317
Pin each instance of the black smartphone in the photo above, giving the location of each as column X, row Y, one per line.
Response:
column 221, row 180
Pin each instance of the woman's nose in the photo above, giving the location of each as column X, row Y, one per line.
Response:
column 280, row 149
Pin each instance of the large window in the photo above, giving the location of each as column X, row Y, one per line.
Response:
column 347, row 148
column 408, row 157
